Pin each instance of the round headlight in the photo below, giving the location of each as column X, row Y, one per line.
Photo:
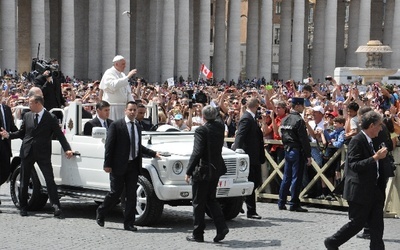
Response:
column 177, row 167
column 243, row 164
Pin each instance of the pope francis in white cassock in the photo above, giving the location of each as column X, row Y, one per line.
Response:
column 116, row 88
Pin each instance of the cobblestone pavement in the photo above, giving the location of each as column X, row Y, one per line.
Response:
column 276, row 230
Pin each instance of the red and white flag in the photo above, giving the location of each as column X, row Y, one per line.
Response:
column 206, row 71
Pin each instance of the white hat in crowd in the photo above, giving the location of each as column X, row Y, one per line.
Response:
column 319, row 109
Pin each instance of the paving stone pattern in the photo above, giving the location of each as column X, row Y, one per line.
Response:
column 276, row 230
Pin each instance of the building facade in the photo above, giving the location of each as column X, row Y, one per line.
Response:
column 171, row 38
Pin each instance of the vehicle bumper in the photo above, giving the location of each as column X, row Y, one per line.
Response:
column 177, row 192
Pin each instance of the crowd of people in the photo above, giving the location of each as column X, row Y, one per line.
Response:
column 328, row 111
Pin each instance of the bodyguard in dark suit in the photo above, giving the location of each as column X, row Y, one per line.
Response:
column 36, row 132
column 361, row 189
column 207, row 148
column 101, row 119
column 123, row 160
column 6, row 124
column 249, row 138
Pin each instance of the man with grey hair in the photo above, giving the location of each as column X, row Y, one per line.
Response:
column 207, row 151
column 116, row 88
column 35, row 91
column 249, row 138
column 364, row 175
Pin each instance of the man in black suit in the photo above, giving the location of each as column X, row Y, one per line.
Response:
column 6, row 124
column 362, row 185
column 37, row 130
column 207, row 148
column 249, row 138
column 101, row 119
column 145, row 124
column 123, row 160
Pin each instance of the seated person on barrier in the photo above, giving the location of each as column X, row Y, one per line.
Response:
column 315, row 128
column 101, row 119
column 335, row 140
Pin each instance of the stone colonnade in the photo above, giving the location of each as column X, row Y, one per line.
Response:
column 166, row 38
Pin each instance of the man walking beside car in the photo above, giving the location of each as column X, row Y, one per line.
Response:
column 207, row 152
column 362, row 187
column 123, row 161
column 37, row 130
column 249, row 138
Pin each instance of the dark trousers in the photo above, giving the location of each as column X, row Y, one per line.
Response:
column 128, row 180
column 359, row 214
column 292, row 177
column 255, row 177
column 204, row 196
column 4, row 162
column 47, row 171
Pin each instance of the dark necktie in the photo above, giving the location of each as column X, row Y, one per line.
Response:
column 105, row 124
column 36, row 120
column 133, row 140
column 2, row 119
column 372, row 146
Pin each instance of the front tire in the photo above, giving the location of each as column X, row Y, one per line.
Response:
column 36, row 199
column 148, row 207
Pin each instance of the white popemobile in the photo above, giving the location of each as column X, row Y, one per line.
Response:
column 162, row 181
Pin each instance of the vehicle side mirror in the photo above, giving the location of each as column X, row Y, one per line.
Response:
column 99, row 132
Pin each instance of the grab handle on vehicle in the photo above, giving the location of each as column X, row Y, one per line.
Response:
column 76, row 153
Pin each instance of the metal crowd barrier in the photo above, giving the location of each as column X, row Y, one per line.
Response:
column 263, row 193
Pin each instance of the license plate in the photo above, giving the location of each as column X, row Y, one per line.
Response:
column 225, row 183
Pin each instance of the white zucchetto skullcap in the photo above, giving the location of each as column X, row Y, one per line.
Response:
column 118, row 58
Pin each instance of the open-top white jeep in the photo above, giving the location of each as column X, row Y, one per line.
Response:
column 161, row 183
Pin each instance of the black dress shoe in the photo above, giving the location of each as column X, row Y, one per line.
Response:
column 329, row 244
column 254, row 216
column 298, row 209
column 99, row 219
column 221, row 235
column 130, row 228
column 194, row 239
column 23, row 212
column 58, row 212
column 364, row 235
column 282, row 207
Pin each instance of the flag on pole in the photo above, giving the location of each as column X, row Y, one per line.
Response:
column 206, row 71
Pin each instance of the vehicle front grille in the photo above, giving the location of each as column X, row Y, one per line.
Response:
column 230, row 166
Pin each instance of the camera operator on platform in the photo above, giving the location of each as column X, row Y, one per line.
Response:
column 50, row 84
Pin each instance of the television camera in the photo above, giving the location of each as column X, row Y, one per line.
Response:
column 40, row 66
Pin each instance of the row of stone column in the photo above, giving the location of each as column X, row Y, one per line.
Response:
column 166, row 38
column 366, row 19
